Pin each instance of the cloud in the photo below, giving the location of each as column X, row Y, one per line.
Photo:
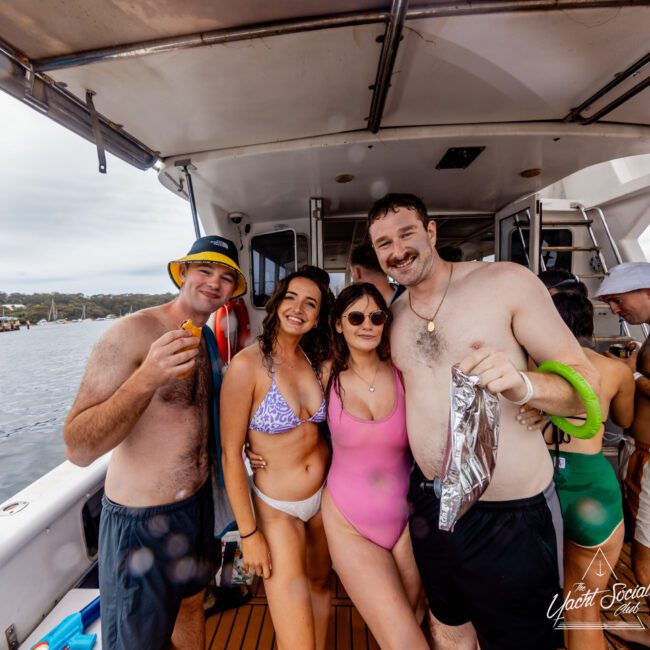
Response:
column 65, row 227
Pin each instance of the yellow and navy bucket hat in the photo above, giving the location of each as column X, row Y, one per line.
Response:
column 211, row 249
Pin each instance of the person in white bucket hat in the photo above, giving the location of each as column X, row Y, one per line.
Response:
column 627, row 291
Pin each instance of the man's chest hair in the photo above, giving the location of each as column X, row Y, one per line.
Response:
column 451, row 341
column 413, row 344
column 192, row 391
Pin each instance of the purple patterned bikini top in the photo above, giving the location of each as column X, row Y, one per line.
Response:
column 274, row 415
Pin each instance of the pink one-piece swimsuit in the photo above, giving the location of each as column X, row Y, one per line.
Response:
column 369, row 476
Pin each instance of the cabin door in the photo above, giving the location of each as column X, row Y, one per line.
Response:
column 517, row 234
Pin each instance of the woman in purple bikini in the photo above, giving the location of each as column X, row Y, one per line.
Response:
column 272, row 398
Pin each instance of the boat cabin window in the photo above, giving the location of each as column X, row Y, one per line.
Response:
column 274, row 256
column 551, row 238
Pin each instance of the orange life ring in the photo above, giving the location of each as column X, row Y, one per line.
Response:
column 239, row 330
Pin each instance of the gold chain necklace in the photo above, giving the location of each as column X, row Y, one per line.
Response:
column 431, row 325
column 371, row 385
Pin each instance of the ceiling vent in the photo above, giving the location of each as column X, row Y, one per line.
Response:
column 459, row 157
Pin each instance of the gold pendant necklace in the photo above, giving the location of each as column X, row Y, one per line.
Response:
column 371, row 385
column 431, row 324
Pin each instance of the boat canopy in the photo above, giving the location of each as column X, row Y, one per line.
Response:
column 471, row 105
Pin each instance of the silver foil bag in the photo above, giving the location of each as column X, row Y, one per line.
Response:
column 472, row 443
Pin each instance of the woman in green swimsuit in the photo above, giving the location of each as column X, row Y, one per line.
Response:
column 586, row 484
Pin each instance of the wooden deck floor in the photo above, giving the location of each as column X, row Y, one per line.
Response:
column 250, row 626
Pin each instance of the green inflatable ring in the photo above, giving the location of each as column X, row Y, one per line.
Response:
column 592, row 406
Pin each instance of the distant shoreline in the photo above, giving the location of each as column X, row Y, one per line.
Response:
column 76, row 306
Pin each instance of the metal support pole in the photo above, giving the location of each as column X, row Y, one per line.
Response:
column 204, row 39
column 186, row 165
column 575, row 114
column 386, row 63
column 438, row 9
column 608, row 232
column 592, row 235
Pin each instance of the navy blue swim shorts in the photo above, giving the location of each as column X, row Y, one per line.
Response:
column 150, row 559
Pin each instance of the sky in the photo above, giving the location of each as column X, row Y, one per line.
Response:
column 65, row 227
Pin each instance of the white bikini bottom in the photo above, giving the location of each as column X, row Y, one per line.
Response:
column 304, row 509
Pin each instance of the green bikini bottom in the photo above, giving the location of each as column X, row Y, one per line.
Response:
column 590, row 497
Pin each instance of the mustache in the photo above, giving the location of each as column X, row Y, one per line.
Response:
column 393, row 260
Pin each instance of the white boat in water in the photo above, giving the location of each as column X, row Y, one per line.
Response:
column 524, row 126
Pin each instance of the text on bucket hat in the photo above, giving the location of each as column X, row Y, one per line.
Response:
column 629, row 276
column 211, row 249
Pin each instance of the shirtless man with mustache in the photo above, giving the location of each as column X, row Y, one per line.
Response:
column 498, row 570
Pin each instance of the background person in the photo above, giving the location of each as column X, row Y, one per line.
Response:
column 451, row 253
column 498, row 569
column 156, row 538
column 364, row 267
column 586, row 483
column 272, row 397
column 627, row 292
column 557, row 280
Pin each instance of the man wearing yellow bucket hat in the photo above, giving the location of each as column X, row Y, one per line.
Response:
column 146, row 395
column 213, row 250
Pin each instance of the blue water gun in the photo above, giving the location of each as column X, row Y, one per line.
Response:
column 69, row 633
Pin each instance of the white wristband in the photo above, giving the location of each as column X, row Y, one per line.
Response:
column 529, row 390
column 637, row 375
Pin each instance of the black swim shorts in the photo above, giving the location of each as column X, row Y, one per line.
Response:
column 150, row 559
column 497, row 569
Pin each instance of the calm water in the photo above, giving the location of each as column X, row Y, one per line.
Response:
column 40, row 371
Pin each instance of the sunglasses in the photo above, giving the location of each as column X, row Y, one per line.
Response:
column 356, row 318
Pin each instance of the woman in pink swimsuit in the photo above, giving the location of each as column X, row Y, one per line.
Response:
column 364, row 505
column 272, row 397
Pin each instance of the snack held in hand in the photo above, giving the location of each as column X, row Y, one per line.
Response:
column 195, row 331
column 191, row 327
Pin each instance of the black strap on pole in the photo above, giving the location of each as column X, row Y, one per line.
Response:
column 97, row 132
column 186, row 165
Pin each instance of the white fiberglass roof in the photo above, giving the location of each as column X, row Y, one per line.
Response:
column 269, row 121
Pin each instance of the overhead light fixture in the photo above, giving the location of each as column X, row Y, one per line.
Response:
column 530, row 173
column 344, row 178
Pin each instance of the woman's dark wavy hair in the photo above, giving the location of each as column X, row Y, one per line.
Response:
column 578, row 313
column 317, row 343
column 341, row 356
